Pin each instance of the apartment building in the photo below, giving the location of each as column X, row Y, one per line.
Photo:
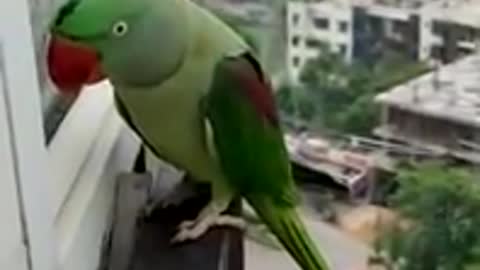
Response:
column 439, row 111
column 432, row 31
column 313, row 25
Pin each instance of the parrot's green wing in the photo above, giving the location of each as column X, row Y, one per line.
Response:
column 249, row 143
column 246, row 131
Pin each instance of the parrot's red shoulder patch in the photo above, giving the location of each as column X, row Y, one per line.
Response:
column 256, row 86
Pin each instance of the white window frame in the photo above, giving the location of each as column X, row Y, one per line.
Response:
column 21, row 96
column 66, row 187
column 77, row 132
column 13, row 252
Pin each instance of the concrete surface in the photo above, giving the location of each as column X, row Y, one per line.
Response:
column 343, row 252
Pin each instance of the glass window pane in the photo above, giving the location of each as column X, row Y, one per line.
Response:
column 55, row 106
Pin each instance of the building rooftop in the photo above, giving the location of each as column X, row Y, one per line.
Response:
column 463, row 12
column 452, row 92
column 406, row 4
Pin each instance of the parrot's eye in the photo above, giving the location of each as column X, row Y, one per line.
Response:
column 120, row 28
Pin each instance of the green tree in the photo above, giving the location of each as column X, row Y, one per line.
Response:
column 344, row 93
column 443, row 202
column 298, row 106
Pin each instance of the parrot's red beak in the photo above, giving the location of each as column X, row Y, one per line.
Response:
column 71, row 66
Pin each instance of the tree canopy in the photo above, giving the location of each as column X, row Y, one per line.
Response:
column 339, row 95
column 444, row 202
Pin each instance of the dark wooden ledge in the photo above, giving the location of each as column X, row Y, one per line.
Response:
column 143, row 243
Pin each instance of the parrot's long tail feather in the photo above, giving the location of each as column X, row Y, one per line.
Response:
column 286, row 224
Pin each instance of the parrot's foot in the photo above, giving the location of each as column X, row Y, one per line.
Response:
column 193, row 229
column 210, row 216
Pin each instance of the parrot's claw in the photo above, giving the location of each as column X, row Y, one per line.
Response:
column 192, row 230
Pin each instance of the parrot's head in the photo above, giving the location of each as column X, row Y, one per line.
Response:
column 137, row 42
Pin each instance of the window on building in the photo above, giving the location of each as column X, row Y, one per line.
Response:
column 314, row 43
column 399, row 26
column 466, row 34
column 473, row 33
column 295, row 40
column 321, row 23
column 295, row 18
column 436, row 52
column 296, row 61
column 464, row 52
column 438, row 28
column 342, row 49
column 343, row 26
column 375, row 24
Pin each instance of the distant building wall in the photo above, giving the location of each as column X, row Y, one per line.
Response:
column 375, row 34
column 313, row 25
column 428, row 129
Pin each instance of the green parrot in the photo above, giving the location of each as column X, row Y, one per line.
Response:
column 196, row 94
